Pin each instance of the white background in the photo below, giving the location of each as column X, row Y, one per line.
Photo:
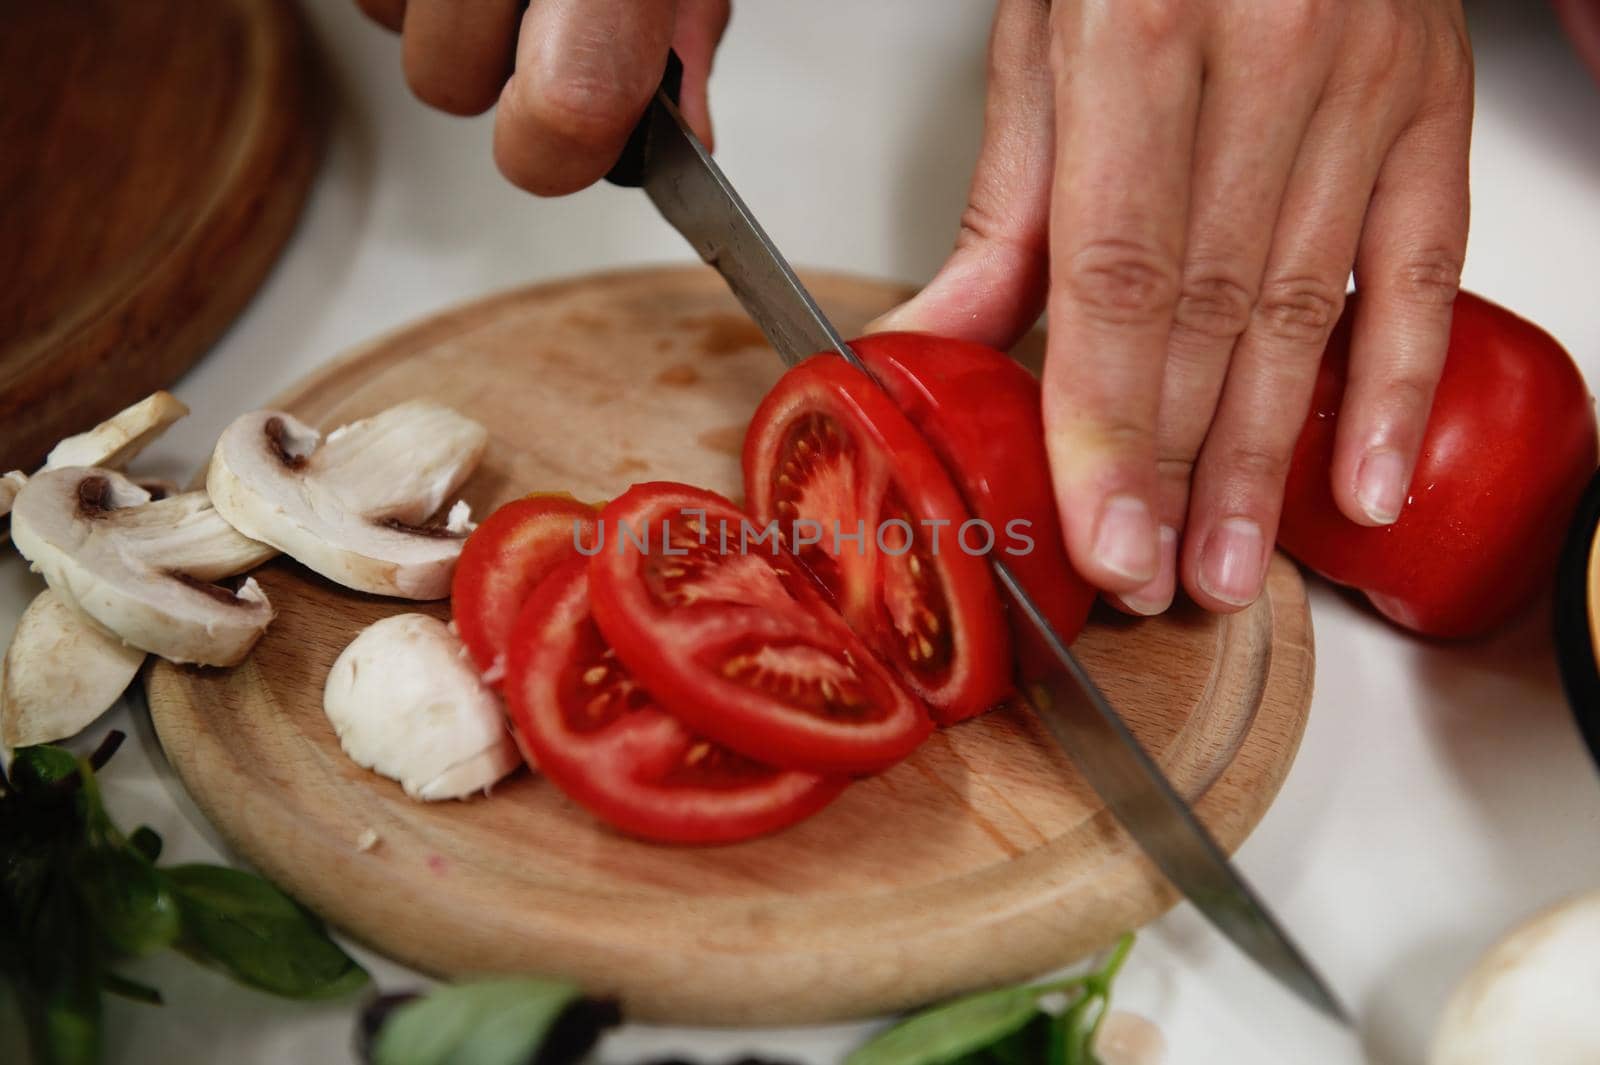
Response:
column 1441, row 793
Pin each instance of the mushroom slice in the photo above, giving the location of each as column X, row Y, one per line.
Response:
column 61, row 672
column 407, row 703
column 114, row 442
column 143, row 568
column 10, row 484
column 352, row 506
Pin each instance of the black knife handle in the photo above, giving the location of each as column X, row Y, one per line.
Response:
column 629, row 168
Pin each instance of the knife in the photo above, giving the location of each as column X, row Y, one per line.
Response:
column 665, row 157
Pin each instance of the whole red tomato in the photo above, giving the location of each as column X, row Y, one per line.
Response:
column 1509, row 446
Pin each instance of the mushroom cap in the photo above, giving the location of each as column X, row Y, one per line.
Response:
column 407, row 702
column 114, row 442
column 61, row 672
column 352, row 506
column 140, row 568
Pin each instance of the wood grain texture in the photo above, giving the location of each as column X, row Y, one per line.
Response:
column 156, row 155
column 980, row 859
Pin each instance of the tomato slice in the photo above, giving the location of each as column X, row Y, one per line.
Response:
column 980, row 411
column 503, row 560
column 601, row 738
column 829, row 455
column 735, row 640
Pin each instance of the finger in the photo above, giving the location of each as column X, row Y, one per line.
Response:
column 992, row 287
column 390, row 13
column 1127, row 92
column 585, row 69
column 1238, row 482
column 1156, row 596
column 457, row 53
column 1408, row 268
column 1264, row 77
column 698, row 30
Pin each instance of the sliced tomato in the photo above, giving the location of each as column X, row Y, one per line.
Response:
column 980, row 411
column 829, row 455
column 601, row 738
column 503, row 560
column 734, row 639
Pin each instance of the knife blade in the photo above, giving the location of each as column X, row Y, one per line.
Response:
column 693, row 194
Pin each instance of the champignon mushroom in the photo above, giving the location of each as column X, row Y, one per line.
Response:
column 407, row 703
column 353, row 506
column 143, row 569
column 10, row 484
column 61, row 672
column 114, row 442
column 1531, row 998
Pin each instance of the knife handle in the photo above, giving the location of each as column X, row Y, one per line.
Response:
column 629, row 168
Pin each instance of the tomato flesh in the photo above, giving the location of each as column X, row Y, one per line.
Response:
column 829, row 454
column 501, row 563
column 597, row 734
column 735, row 640
column 980, row 411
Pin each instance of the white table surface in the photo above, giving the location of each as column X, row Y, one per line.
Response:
column 1440, row 794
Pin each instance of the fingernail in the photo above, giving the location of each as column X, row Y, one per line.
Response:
column 1232, row 561
column 1155, row 597
column 1381, row 485
column 1125, row 542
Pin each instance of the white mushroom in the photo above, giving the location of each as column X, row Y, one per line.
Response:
column 1532, row 997
column 10, row 484
column 114, row 442
column 406, row 702
column 353, row 506
column 61, row 672
column 141, row 568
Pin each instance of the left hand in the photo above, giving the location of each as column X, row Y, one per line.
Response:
column 1188, row 184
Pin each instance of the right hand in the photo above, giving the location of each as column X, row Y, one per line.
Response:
column 571, row 77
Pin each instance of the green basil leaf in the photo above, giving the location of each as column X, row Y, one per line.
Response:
column 1029, row 1045
column 128, row 899
column 486, row 1022
column 943, row 1034
column 146, row 842
column 129, row 989
column 41, row 766
column 259, row 935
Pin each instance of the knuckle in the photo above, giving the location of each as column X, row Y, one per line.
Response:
column 1176, row 468
column 1155, row 20
column 1431, row 277
column 586, row 111
column 1299, row 309
column 1256, row 462
column 981, row 224
column 1214, row 305
column 1120, row 282
column 1409, row 393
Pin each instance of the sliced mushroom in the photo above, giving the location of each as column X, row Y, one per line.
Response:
column 143, row 569
column 407, row 703
column 114, row 442
column 10, row 484
column 61, row 672
column 353, row 506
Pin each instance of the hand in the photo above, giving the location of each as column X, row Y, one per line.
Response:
column 1187, row 184
column 570, row 83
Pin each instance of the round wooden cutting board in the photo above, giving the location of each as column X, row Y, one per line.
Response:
column 982, row 858
column 156, row 154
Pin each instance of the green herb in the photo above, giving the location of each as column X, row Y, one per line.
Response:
column 76, row 896
column 487, row 1022
column 259, row 935
column 1010, row 1026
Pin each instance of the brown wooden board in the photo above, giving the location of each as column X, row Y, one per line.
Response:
column 982, row 858
column 154, row 156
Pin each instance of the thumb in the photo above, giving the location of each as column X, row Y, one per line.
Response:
column 992, row 287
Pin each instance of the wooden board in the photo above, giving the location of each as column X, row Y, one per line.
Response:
column 982, row 858
column 156, row 154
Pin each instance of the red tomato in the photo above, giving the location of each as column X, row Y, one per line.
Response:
column 602, row 739
column 738, row 643
column 1506, row 454
column 501, row 563
column 981, row 412
column 829, row 453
